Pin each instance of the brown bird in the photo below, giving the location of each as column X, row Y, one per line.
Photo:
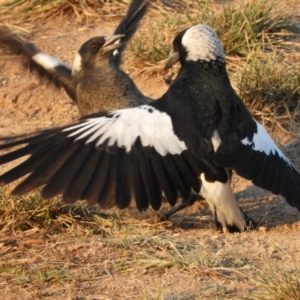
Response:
column 95, row 81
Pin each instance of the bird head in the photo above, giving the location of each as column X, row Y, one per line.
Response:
column 197, row 43
column 96, row 51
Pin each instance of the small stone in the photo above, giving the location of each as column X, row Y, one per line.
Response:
column 14, row 98
column 262, row 229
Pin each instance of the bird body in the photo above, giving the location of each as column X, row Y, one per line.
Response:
column 115, row 88
column 235, row 140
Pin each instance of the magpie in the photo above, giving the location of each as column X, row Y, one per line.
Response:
column 95, row 74
column 198, row 127
column 239, row 142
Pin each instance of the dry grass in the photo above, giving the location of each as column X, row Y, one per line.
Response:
column 278, row 285
column 31, row 212
column 18, row 11
column 53, row 251
column 152, row 258
column 243, row 29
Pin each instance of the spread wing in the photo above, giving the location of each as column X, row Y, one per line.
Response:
column 257, row 158
column 105, row 158
column 128, row 26
column 45, row 65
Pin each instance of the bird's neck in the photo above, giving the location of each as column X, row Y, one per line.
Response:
column 196, row 70
column 201, row 76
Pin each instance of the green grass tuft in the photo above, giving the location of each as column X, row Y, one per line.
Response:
column 269, row 83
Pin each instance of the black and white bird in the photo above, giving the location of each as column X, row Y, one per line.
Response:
column 199, row 126
column 95, row 81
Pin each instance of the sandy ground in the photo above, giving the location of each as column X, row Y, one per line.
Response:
column 28, row 102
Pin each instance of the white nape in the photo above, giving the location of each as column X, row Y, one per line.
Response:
column 202, row 43
column 76, row 67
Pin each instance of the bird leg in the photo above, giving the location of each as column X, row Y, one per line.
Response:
column 250, row 223
column 184, row 203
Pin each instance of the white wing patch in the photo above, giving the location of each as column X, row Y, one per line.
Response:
column 46, row 61
column 262, row 142
column 123, row 127
column 76, row 67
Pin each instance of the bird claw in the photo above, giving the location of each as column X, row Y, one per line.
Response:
column 184, row 203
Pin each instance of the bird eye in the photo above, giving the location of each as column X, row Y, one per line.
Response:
column 94, row 46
